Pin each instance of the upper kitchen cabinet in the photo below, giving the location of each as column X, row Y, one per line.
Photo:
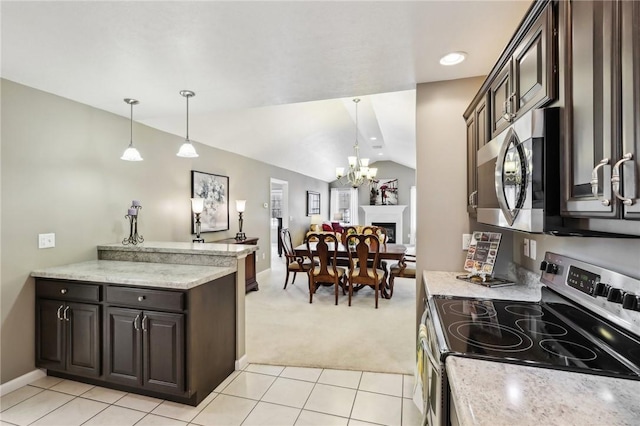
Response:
column 528, row 78
column 477, row 137
column 602, row 114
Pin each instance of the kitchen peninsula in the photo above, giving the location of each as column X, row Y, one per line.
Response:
column 161, row 319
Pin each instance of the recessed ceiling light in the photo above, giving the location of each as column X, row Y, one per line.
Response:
column 373, row 138
column 453, row 58
column 380, row 153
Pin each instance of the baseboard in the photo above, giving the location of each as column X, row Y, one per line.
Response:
column 21, row 381
column 242, row 362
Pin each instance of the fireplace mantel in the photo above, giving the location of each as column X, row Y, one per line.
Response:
column 392, row 214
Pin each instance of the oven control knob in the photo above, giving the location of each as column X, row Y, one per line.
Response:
column 543, row 265
column 631, row 301
column 602, row 289
column 551, row 268
column 615, row 295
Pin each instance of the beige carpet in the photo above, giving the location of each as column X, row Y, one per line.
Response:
column 284, row 329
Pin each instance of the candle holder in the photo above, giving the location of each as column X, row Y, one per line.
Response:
column 132, row 215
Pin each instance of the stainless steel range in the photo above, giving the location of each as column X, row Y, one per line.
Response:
column 587, row 321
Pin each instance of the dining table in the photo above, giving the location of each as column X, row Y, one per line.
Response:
column 387, row 252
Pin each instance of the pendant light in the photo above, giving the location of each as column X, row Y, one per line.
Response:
column 131, row 154
column 187, row 149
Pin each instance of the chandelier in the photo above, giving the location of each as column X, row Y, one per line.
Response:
column 359, row 171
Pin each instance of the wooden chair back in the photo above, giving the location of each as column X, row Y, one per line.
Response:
column 325, row 255
column 378, row 231
column 361, row 270
column 346, row 231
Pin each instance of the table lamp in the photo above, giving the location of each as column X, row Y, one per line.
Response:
column 197, row 206
column 240, row 206
column 316, row 220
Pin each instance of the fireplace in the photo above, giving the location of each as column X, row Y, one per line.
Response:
column 391, row 230
column 386, row 215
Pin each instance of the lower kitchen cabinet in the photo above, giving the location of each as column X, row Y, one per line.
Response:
column 68, row 336
column 165, row 343
column 145, row 348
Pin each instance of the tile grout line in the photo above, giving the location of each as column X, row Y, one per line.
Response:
column 309, row 396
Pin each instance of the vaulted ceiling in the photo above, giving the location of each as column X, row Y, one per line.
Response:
column 274, row 81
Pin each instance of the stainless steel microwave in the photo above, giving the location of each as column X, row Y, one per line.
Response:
column 519, row 175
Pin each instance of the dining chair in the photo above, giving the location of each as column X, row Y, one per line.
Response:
column 326, row 269
column 379, row 231
column 346, row 231
column 406, row 268
column 361, row 271
column 295, row 263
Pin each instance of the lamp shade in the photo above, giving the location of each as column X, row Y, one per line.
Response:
column 187, row 150
column 316, row 219
column 131, row 154
column 197, row 205
column 240, row 205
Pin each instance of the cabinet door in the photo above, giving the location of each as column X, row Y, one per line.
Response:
column 83, row 339
column 499, row 95
column 590, row 98
column 630, row 170
column 482, row 121
column 123, row 341
column 164, row 349
column 49, row 334
column 472, row 149
column 534, row 65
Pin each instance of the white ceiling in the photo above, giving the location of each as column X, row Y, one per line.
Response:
column 273, row 80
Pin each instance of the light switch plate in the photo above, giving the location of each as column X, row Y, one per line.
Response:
column 526, row 247
column 46, row 240
column 532, row 249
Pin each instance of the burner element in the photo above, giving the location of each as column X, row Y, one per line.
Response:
column 568, row 350
column 541, row 328
column 474, row 309
column 525, row 310
column 490, row 336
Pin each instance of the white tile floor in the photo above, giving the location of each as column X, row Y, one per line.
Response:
column 259, row 395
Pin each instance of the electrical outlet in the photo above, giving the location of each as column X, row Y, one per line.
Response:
column 264, row 256
column 532, row 249
column 526, row 247
column 466, row 241
column 46, row 240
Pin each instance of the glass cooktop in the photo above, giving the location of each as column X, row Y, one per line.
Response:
column 554, row 334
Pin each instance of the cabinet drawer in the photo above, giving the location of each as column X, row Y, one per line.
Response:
column 145, row 298
column 66, row 290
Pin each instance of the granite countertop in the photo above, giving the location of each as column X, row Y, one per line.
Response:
column 145, row 274
column 527, row 287
column 493, row 393
column 212, row 249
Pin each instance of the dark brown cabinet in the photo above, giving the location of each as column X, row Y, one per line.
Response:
column 165, row 343
column 602, row 125
column 477, row 136
column 251, row 283
column 67, row 335
column 528, row 78
column 145, row 348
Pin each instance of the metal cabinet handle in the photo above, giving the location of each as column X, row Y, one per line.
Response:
column 59, row 314
column 135, row 322
column 615, row 180
column 472, row 199
column 594, row 181
column 140, row 298
column 65, row 313
column 143, row 322
column 507, row 106
column 63, row 291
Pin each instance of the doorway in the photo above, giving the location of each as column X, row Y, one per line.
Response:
column 279, row 217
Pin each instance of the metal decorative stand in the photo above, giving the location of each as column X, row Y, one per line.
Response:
column 134, row 237
column 240, row 236
column 198, row 239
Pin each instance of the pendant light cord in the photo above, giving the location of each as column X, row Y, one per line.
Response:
column 131, row 127
column 187, row 117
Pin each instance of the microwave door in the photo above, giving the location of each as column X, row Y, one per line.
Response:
column 510, row 176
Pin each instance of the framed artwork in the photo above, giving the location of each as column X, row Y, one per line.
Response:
column 313, row 203
column 215, row 191
column 384, row 192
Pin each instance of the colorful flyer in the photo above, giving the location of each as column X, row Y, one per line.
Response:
column 482, row 253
